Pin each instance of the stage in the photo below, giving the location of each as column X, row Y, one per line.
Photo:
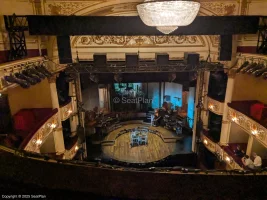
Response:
column 161, row 143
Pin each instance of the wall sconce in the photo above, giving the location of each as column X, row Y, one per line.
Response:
column 234, row 119
column 76, row 148
column 211, row 106
column 39, row 142
column 254, row 132
column 205, row 142
column 53, row 125
column 228, row 159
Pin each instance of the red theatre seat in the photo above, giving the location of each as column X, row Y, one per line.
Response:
column 256, row 111
column 24, row 120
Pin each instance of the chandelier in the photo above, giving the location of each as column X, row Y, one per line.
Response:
column 166, row 15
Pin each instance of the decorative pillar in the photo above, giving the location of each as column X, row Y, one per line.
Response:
column 58, row 133
column 195, row 115
column 81, row 114
column 249, row 146
column 226, row 124
column 74, row 121
column 205, row 114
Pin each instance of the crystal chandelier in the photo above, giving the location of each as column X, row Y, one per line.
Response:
column 166, row 15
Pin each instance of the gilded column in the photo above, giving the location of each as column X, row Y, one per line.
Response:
column 58, row 133
column 195, row 115
column 249, row 146
column 205, row 114
column 74, row 121
column 226, row 124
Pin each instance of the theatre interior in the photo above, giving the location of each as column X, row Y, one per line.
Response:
column 136, row 99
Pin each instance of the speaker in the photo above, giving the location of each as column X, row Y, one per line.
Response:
column 162, row 58
column 64, row 49
column 225, row 48
column 191, row 58
column 131, row 59
column 100, row 59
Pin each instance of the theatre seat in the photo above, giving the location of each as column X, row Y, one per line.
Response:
column 28, row 121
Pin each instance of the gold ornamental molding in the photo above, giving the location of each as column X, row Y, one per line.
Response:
column 209, row 144
column 68, row 7
column 215, row 106
column 249, row 125
column 138, row 41
column 66, row 111
column 221, row 8
column 69, row 154
column 41, row 134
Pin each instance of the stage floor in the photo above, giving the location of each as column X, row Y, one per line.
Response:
column 155, row 150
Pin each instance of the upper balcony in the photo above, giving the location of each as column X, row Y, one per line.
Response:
column 31, row 128
column 251, row 116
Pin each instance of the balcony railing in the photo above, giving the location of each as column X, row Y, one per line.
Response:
column 215, row 106
column 249, row 125
column 219, row 152
column 66, row 110
column 34, row 140
column 71, row 148
column 209, row 144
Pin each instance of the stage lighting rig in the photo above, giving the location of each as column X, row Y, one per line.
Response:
column 94, row 78
column 118, row 78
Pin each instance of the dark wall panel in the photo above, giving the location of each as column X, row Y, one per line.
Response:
column 226, row 48
column 64, row 49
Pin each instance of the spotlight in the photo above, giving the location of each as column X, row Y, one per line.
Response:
column 205, row 142
column 76, row 148
column 94, row 78
column 118, row 78
column 245, row 64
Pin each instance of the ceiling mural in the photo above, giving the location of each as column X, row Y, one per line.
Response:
column 138, row 41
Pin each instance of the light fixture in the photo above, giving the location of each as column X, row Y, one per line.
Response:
column 167, row 16
column 205, row 142
column 69, row 111
column 211, row 106
column 234, row 119
column 53, row 125
column 39, row 142
column 227, row 159
column 76, row 148
column 254, row 132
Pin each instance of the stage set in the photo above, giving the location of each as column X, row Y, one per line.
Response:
column 141, row 122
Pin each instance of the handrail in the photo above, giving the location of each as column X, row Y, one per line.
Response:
column 98, row 164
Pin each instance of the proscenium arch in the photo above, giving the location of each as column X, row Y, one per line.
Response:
column 108, row 8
